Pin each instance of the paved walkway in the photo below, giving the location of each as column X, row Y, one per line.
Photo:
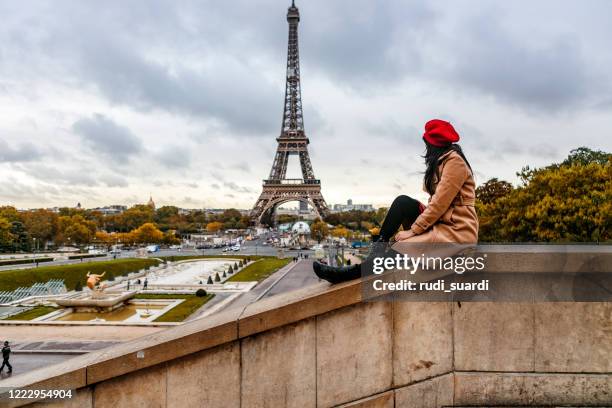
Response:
column 300, row 276
column 22, row 363
column 22, row 334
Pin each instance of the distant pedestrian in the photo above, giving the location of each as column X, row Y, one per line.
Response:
column 146, row 283
column 6, row 354
column 128, row 285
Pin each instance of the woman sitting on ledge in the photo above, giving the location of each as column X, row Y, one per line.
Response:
column 450, row 216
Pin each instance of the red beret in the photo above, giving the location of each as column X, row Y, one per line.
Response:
column 440, row 133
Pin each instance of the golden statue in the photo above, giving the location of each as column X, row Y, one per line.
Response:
column 93, row 281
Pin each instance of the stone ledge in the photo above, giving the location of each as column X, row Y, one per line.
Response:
column 294, row 306
column 164, row 346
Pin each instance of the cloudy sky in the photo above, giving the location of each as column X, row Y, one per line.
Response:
column 108, row 102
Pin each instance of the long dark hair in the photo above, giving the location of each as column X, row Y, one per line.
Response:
column 432, row 161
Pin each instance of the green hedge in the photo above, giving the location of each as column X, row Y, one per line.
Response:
column 24, row 261
column 71, row 274
column 259, row 270
column 188, row 257
column 84, row 256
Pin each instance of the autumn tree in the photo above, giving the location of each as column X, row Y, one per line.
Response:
column 170, row 238
column 9, row 213
column 6, row 238
column 148, row 233
column 319, row 230
column 214, row 226
column 21, row 239
column 135, row 217
column 340, row 232
column 567, row 202
column 492, row 189
column 41, row 224
column 75, row 230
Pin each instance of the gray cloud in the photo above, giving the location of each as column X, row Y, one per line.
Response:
column 242, row 166
column 53, row 174
column 104, row 136
column 111, row 180
column 205, row 58
column 22, row 152
column 175, row 157
column 551, row 76
column 236, row 188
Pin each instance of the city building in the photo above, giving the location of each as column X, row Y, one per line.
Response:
column 349, row 206
column 151, row 203
column 111, row 209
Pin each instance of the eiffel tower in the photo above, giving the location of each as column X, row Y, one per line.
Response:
column 278, row 189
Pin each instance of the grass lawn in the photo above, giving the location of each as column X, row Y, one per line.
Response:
column 71, row 274
column 259, row 270
column 183, row 310
column 33, row 313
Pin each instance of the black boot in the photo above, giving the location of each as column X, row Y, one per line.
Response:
column 337, row 274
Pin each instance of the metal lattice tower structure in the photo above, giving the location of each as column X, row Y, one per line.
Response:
column 277, row 189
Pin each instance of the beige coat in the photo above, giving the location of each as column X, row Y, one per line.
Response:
column 450, row 215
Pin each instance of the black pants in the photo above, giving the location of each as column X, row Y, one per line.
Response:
column 403, row 211
column 6, row 362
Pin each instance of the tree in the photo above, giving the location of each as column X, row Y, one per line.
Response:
column 9, row 213
column 340, row 232
column 148, row 233
column 165, row 213
column 201, row 293
column 170, row 238
column 492, row 189
column 21, row 239
column 567, row 202
column 287, row 218
column 214, row 226
column 6, row 237
column 41, row 224
column 75, row 229
column 319, row 230
column 217, row 279
column 584, row 156
column 134, row 217
column 209, row 281
column 105, row 238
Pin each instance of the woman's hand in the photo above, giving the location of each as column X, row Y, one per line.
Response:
column 402, row 235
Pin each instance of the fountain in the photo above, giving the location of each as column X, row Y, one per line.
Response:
column 98, row 299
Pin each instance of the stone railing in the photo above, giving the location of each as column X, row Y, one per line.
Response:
column 323, row 346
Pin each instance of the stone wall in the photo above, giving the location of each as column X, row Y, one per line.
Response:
column 323, row 346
